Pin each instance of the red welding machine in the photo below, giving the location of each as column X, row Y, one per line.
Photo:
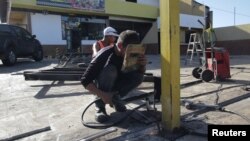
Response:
column 216, row 65
column 221, row 65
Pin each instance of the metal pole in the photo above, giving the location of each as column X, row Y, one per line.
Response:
column 205, row 15
column 170, row 63
column 234, row 15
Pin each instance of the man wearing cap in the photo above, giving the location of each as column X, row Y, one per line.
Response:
column 110, row 82
column 109, row 37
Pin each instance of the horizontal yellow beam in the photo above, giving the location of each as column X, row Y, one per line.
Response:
column 31, row 5
column 112, row 8
column 130, row 9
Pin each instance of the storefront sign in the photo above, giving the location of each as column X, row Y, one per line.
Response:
column 97, row 5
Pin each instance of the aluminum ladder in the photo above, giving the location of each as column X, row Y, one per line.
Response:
column 195, row 46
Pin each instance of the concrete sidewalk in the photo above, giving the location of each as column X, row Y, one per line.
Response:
column 55, row 108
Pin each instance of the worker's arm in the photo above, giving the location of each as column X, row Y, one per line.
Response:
column 91, row 74
column 95, row 48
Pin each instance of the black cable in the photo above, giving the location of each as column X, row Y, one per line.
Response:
column 237, row 72
column 235, row 113
column 197, row 134
column 211, row 92
column 98, row 125
column 217, row 94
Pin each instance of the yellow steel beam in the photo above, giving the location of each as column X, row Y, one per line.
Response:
column 112, row 7
column 130, row 9
column 170, row 63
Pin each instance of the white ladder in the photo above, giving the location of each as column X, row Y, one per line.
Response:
column 194, row 46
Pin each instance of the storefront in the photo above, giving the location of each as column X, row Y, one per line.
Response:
column 49, row 19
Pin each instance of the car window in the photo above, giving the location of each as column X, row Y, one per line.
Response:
column 22, row 33
column 18, row 31
column 26, row 34
column 5, row 30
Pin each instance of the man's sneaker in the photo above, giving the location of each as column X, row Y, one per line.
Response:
column 118, row 104
column 101, row 115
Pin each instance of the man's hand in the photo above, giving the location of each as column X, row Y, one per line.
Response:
column 142, row 61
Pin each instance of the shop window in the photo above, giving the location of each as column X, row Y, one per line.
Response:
column 90, row 29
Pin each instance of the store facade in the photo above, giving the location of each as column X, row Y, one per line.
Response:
column 49, row 20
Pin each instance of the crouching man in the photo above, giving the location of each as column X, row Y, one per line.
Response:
column 104, row 77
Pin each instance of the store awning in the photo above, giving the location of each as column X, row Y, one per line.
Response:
column 5, row 6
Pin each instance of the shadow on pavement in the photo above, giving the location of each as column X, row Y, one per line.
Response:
column 44, row 90
column 25, row 64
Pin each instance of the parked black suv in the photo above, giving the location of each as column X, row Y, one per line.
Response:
column 17, row 42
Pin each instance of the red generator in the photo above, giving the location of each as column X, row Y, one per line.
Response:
column 218, row 62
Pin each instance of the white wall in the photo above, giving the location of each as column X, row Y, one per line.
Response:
column 47, row 28
column 149, row 2
column 191, row 21
column 188, row 21
column 152, row 35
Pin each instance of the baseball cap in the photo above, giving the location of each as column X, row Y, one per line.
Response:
column 110, row 31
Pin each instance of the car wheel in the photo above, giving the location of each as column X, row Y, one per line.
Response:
column 10, row 58
column 38, row 55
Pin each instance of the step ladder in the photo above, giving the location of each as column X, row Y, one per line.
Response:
column 195, row 47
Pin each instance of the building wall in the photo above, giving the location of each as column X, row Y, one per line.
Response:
column 191, row 21
column 43, row 21
column 236, row 39
column 152, row 36
column 112, row 7
column 47, row 29
column 130, row 9
column 191, row 8
column 149, row 2
column 240, row 32
column 20, row 19
column 182, row 35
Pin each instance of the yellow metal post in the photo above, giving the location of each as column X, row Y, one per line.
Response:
column 170, row 63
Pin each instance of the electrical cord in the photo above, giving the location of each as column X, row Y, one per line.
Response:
column 222, row 109
column 190, row 105
column 101, row 126
column 217, row 94
column 219, row 90
column 213, row 91
column 246, row 88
